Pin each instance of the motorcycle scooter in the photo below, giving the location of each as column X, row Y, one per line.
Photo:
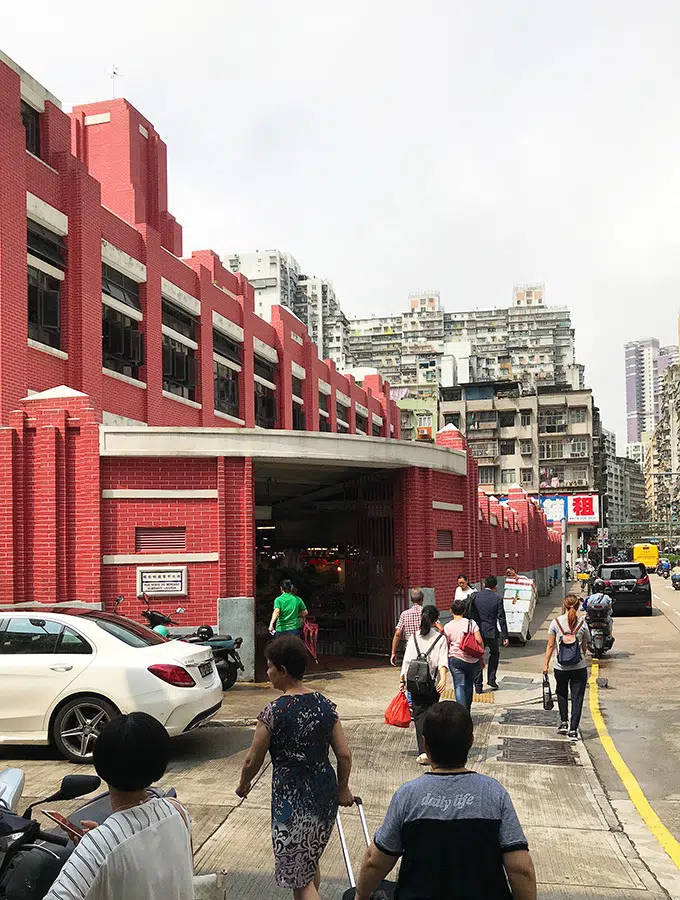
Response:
column 675, row 581
column 600, row 622
column 31, row 858
column 224, row 647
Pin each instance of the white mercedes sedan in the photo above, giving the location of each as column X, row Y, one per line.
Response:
column 65, row 671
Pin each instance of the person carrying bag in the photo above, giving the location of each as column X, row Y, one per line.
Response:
column 571, row 635
column 424, row 671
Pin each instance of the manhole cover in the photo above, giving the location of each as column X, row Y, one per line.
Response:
column 545, row 753
column 536, row 716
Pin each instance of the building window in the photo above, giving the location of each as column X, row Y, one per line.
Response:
column 507, row 448
column 298, row 417
column 265, row 406
column 552, row 421
column 451, row 393
column 424, row 421
column 46, row 245
column 341, row 413
column 376, row 430
column 122, row 343
column 526, row 448
column 362, row 423
column 297, row 387
column 323, row 401
column 264, row 369
column 44, row 308
column 226, row 347
column 180, row 368
column 324, row 424
column 120, row 287
column 181, row 322
column 487, row 474
column 31, row 119
column 551, row 450
column 579, row 448
column 525, row 417
column 506, row 419
column 226, row 389
column 578, row 415
column 481, row 449
column 527, row 476
column 444, row 539
column 452, row 419
column 155, row 539
column 508, row 476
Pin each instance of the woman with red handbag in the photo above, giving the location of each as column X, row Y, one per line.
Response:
column 466, row 650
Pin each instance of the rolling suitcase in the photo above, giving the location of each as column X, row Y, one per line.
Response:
column 387, row 888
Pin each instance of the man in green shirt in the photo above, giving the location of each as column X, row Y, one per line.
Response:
column 289, row 611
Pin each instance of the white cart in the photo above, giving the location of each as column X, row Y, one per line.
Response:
column 519, row 602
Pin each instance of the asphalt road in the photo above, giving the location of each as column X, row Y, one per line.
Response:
column 641, row 704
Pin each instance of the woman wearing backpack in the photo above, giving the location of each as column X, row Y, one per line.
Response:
column 423, row 671
column 571, row 635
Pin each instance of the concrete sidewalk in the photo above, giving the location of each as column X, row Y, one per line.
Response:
column 578, row 845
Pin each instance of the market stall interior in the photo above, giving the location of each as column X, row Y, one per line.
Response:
column 331, row 532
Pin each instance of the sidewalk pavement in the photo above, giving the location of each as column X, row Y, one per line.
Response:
column 578, row 845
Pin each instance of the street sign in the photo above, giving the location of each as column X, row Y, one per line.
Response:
column 602, row 538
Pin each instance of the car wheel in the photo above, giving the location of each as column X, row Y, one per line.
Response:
column 649, row 611
column 77, row 726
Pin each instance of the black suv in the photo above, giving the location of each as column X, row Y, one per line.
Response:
column 628, row 586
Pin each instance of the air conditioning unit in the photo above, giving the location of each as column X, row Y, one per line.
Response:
column 424, row 434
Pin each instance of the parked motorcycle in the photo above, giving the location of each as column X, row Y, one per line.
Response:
column 675, row 581
column 224, row 647
column 30, row 858
column 599, row 620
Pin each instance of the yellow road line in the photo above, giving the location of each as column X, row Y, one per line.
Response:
column 642, row 804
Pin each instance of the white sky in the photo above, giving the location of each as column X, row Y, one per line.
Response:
column 395, row 146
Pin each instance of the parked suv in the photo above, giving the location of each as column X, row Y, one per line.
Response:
column 628, row 586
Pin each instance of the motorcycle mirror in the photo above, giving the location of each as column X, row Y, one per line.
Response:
column 72, row 786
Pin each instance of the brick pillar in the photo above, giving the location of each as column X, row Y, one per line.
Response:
column 245, row 385
column 13, row 283
column 414, row 522
column 310, row 387
column 206, row 376
column 153, row 339
column 81, row 308
column 236, row 527
column 468, row 537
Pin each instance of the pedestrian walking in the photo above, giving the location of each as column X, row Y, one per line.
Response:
column 570, row 633
column 490, row 614
column 464, row 667
column 456, row 831
column 297, row 729
column 289, row 612
column 424, row 670
column 464, row 591
column 408, row 624
column 143, row 850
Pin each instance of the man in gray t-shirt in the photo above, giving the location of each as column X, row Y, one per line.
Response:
column 456, row 831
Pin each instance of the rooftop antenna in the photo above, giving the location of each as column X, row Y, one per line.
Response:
column 113, row 74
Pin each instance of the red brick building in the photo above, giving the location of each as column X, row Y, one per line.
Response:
column 202, row 452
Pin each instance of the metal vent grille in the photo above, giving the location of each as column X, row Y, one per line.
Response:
column 544, row 753
column 444, row 540
column 155, row 539
column 528, row 716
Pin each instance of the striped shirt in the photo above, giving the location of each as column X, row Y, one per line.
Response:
column 143, row 853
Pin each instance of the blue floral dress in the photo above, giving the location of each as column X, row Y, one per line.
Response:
column 304, row 786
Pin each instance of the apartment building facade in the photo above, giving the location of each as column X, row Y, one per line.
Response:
column 646, row 364
column 273, row 274
column 317, row 306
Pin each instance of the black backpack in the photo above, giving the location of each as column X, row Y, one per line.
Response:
column 569, row 649
column 418, row 677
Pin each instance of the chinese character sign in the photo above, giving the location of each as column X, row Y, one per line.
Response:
column 584, row 509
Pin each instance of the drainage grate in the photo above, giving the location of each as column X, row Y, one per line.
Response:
column 528, row 716
column 545, row 753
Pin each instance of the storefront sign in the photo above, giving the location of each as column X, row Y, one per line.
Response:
column 577, row 509
column 166, row 581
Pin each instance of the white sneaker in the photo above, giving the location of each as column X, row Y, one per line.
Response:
column 423, row 759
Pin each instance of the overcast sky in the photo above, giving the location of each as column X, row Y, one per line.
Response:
column 397, row 146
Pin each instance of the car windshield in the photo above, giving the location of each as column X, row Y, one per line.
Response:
column 621, row 573
column 127, row 631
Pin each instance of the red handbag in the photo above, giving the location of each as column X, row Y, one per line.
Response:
column 468, row 643
column 398, row 713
